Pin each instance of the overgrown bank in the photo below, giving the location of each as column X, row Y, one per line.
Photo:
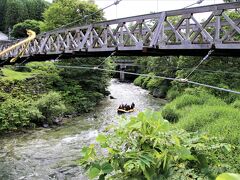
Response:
column 149, row 147
column 195, row 136
column 42, row 94
column 217, row 71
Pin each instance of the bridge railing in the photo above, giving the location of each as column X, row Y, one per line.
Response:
column 171, row 30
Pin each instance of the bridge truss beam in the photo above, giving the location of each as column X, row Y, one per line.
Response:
column 177, row 32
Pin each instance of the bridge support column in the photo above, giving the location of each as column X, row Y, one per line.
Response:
column 122, row 74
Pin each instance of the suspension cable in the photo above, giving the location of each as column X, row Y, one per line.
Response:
column 3, row 62
column 58, row 57
column 25, row 60
column 153, row 76
column 201, row 70
column 85, row 17
column 203, row 59
column 161, row 77
column 106, row 59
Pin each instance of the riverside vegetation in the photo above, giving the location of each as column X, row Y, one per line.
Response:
column 195, row 136
column 41, row 93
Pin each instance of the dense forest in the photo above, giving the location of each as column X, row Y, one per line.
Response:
column 194, row 136
column 16, row 11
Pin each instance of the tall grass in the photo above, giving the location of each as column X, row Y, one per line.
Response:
column 205, row 112
column 199, row 111
column 236, row 104
column 182, row 104
column 219, row 121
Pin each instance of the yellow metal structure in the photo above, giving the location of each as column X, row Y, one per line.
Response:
column 31, row 36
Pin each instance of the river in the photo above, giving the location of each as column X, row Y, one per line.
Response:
column 44, row 154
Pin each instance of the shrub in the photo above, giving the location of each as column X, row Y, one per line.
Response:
column 145, row 82
column 51, row 106
column 16, row 114
column 44, row 68
column 3, row 96
column 145, row 147
column 139, row 80
column 170, row 114
column 154, row 83
column 19, row 30
column 173, row 93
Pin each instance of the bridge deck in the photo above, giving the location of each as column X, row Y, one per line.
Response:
column 177, row 32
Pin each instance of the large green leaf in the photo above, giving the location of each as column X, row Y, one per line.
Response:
column 107, row 168
column 93, row 172
column 102, row 139
column 228, row 176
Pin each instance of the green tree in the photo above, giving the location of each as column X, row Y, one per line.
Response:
column 36, row 8
column 2, row 11
column 83, row 88
column 15, row 11
column 19, row 30
column 71, row 11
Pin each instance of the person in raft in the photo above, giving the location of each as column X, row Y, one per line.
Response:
column 132, row 105
column 126, row 107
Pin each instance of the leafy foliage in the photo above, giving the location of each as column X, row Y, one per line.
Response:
column 200, row 111
column 228, row 176
column 71, row 11
column 42, row 85
column 51, row 106
column 139, row 80
column 145, row 147
column 217, row 71
column 50, row 92
column 16, row 11
column 19, row 30
column 16, row 113
column 83, row 88
column 155, row 66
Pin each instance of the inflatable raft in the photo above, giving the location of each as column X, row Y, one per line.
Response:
column 125, row 111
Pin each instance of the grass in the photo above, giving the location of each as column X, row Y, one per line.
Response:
column 182, row 104
column 205, row 112
column 236, row 104
column 9, row 74
column 218, row 121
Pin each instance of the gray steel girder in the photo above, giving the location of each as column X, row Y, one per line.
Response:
column 177, row 32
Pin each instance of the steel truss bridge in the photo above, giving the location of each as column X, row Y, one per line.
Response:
column 177, row 32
